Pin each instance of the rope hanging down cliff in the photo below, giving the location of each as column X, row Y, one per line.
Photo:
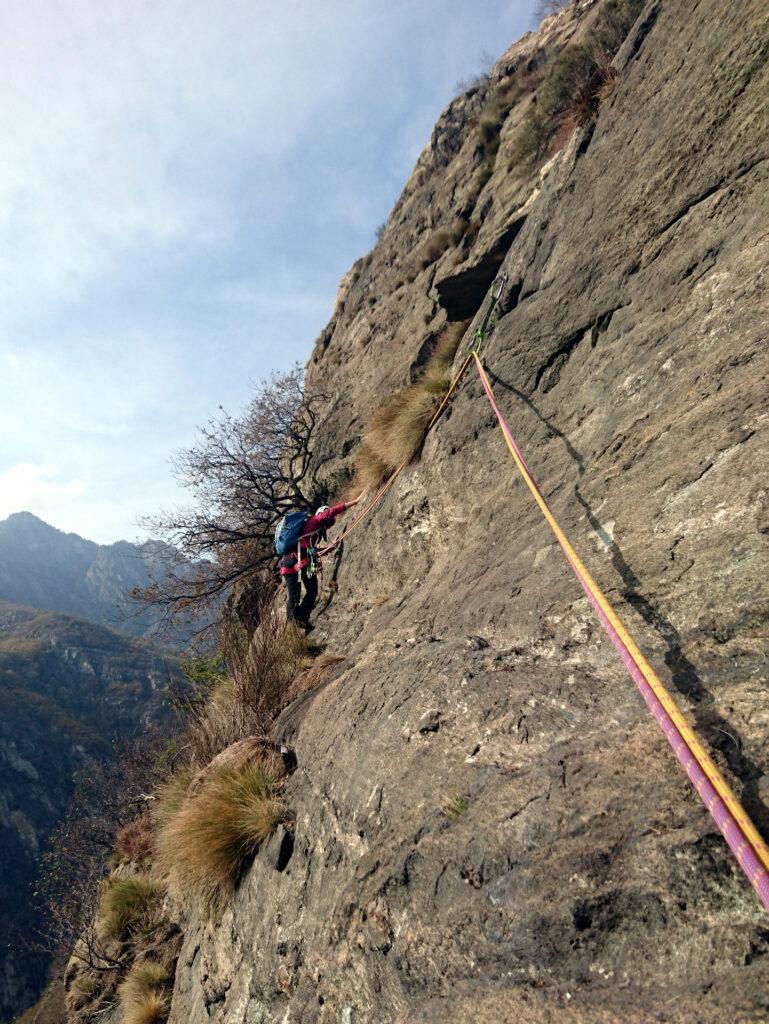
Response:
column 739, row 831
column 733, row 821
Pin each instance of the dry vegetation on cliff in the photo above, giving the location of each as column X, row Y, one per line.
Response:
column 572, row 85
column 209, row 820
column 206, row 845
column 397, row 429
column 145, row 995
column 129, row 905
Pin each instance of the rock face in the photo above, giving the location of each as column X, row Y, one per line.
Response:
column 68, row 688
column 489, row 825
column 44, row 568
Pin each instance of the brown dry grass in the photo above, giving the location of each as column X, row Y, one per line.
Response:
column 171, row 795
column 397, row 429
column 81, row 991
column 261, row 665
column 207, row 844
column 144, row 995
column 370, row 469
column 130, row 905
column 317, row 674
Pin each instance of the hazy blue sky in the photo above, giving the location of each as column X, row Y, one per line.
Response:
column 182, row 184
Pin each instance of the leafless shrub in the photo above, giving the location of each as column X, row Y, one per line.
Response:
column 480, row 79
column 546, row 8
column 244, row 473
column 107, row 798
column 134, row 841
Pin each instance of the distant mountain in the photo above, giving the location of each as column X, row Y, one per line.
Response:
column 68, row 688
column 42, row 567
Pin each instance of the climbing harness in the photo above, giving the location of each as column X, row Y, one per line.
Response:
column 740, row 833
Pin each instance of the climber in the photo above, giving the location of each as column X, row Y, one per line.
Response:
column 299, row 559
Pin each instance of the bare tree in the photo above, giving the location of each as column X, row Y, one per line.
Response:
column 245, row 472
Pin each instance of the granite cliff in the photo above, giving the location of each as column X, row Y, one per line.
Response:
column 488, row 825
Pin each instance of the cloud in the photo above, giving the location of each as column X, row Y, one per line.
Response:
column 28, row 486
column 182, row 184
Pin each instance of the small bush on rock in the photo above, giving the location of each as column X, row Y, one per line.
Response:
column 134, row 841
column 575, row 83
column 208, row 843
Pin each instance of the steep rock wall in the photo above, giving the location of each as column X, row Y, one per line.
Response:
column 489, row 826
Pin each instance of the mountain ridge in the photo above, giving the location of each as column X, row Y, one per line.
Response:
column 44, row 567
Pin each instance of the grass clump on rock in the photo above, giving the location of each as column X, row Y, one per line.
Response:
column 575, row 83
column 455, row 806
column 207, row 843
column 397, row 430
column 130, row 904
column 144, row 995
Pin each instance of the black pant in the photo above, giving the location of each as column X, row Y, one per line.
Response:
column 296, row 609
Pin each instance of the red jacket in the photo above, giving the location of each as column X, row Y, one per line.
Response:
column 290, row 564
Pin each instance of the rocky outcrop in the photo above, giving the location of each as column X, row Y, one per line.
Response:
column 488, row 825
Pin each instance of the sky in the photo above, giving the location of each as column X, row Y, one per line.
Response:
column 182, row 185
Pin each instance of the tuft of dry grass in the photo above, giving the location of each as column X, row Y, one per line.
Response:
column 434, row 247
column 397, row 429
column 455, row 806
column 135, row 841
column 370, row 469
column 316, row 674
column 144, row 995
column 207, row 844
column 129, row 905
column 261, row 664
column 83, row 989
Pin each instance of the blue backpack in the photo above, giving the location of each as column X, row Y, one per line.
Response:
column 288, row 531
